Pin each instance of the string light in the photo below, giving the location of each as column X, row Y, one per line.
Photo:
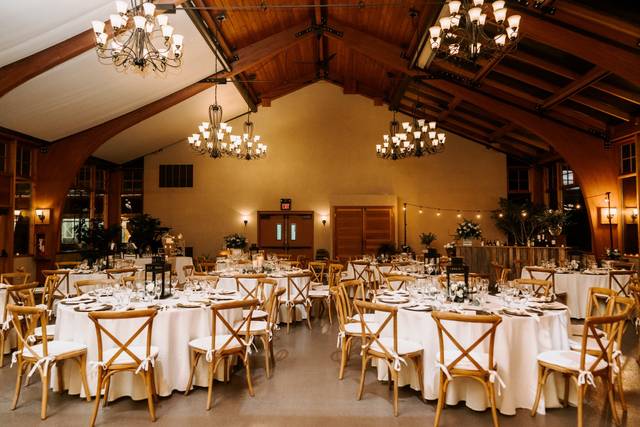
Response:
column 477, row 213
column 420, row 211
column 459, row 215
column 438, row 213
column 478, row 216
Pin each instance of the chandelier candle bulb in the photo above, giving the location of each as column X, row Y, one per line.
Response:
column 121, row 7
column 454, row 7
column 445, row 23
column 167, row 31
column 499, row 4
column 162, row 20
column 474, row 14
column 149, row 9
column 98, row 27
column 500, row 15
column 514, row 21
column 139, row 22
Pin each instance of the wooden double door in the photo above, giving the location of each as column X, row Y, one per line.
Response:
column 286, row 232
column 361, row 230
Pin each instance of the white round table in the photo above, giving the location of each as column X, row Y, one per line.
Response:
column 172, row 330
column 576, row 286
column 518, row 342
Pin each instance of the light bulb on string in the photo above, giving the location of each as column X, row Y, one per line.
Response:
column 438, row 213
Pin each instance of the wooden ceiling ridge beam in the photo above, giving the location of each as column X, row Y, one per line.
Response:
column 618, row 60
column 399, row 91
column 263, row 50
column 18, row 72
column 502, row 131
column 592, row 76
column 625, row 130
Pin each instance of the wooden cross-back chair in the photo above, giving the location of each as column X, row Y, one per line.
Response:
column 188, row 270
column 298, row 294
column 250, row 287
column 21, row 295
column 458, row 360
column 597, row 305
column 126, row 355
column 283, row 257
column 317, row 272
column 221, row 346
column 583, row 367
column 501, row 272
column 207, row 267
column 543, row 273
column 264, row 329
column 51, row 290
column 60, row 289
column 88, row 285
column 41, row 357
column 635, row 291
column 361, row 270
column 394, row 352
column 334, row 275
column 397, row 282
column 67, row 264
column 118, row 273
column 539, row 288
column 348, row 327
column 623, row 265
column 619, row 281
column 15, row 278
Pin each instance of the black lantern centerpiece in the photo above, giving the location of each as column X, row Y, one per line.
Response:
column 159, row 267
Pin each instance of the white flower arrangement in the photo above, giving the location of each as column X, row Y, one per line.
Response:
column 468, row 229
column 458, row 291
column 235, row 241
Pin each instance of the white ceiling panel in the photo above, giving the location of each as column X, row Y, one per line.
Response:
column 82, row 92
column 170, row 126
column 29, row 26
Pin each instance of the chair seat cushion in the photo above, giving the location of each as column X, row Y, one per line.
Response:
column 575, row 344
column 569, row 360
column 257, row 327
column 318, row 293
column 404, row 346
column 257, row 314
column 124, row 358
column 316, row 284
column 368, row 317
column 204, row 343
column 576, row 331
column 55, row 348
column 51, row 331
column 465, row 363
column 355, row 328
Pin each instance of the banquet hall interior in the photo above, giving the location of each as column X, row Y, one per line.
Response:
column 303, row 212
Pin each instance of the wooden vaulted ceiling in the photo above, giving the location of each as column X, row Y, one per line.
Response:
column 576, row 63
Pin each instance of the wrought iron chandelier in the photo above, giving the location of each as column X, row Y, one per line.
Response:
column 414, row 139
column 248, row 146
column 463, row 32
column 214, row 137
column 140, row 38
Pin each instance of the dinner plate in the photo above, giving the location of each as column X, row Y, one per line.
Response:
column 93, row 307
column 418, row 308
column 393, row 300
column 78, row 301
column 189, row 305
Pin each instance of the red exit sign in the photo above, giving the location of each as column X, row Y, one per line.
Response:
column 285, row 204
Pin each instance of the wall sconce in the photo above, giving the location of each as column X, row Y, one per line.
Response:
column 323, row 219
column 634, row 215
column 608, row 213
column 42, row 216
column 245, row 220
column 17, row 212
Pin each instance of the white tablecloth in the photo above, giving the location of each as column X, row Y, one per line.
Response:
column 172, row 331
column 576, row 286
column 519, row 340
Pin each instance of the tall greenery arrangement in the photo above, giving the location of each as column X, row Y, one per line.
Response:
column 146, row 232
column 427, row 239
column 95, row 240
column 522, row 220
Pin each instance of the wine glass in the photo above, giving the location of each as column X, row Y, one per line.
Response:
column 157, row 290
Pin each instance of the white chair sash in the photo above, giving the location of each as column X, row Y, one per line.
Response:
column 145, row 363
column 586, row 377
column 493, row 376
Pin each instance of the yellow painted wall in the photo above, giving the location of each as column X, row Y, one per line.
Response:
column 322, row 154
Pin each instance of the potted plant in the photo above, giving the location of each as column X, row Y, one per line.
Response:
column 146, row 233
column 468, row 230
column 95, row 241
column 236, row 243
column 426, row 239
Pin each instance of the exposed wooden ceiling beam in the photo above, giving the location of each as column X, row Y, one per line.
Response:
column 618, row 60
column 265, row 49
column 399, row 91
column 486, row 68
column 14, row 74
column 592, row 76
column 380, row 50
column 625, row 130
column 500, row 132
column 537, row 143
column 598, row 23
column 522, row 98
column 450, row 108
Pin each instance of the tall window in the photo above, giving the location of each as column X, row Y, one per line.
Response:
column 628, row 158
column 23, row 161
column 132, row 187
column 3, row 156
column 518, row 179
column 567, row 177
